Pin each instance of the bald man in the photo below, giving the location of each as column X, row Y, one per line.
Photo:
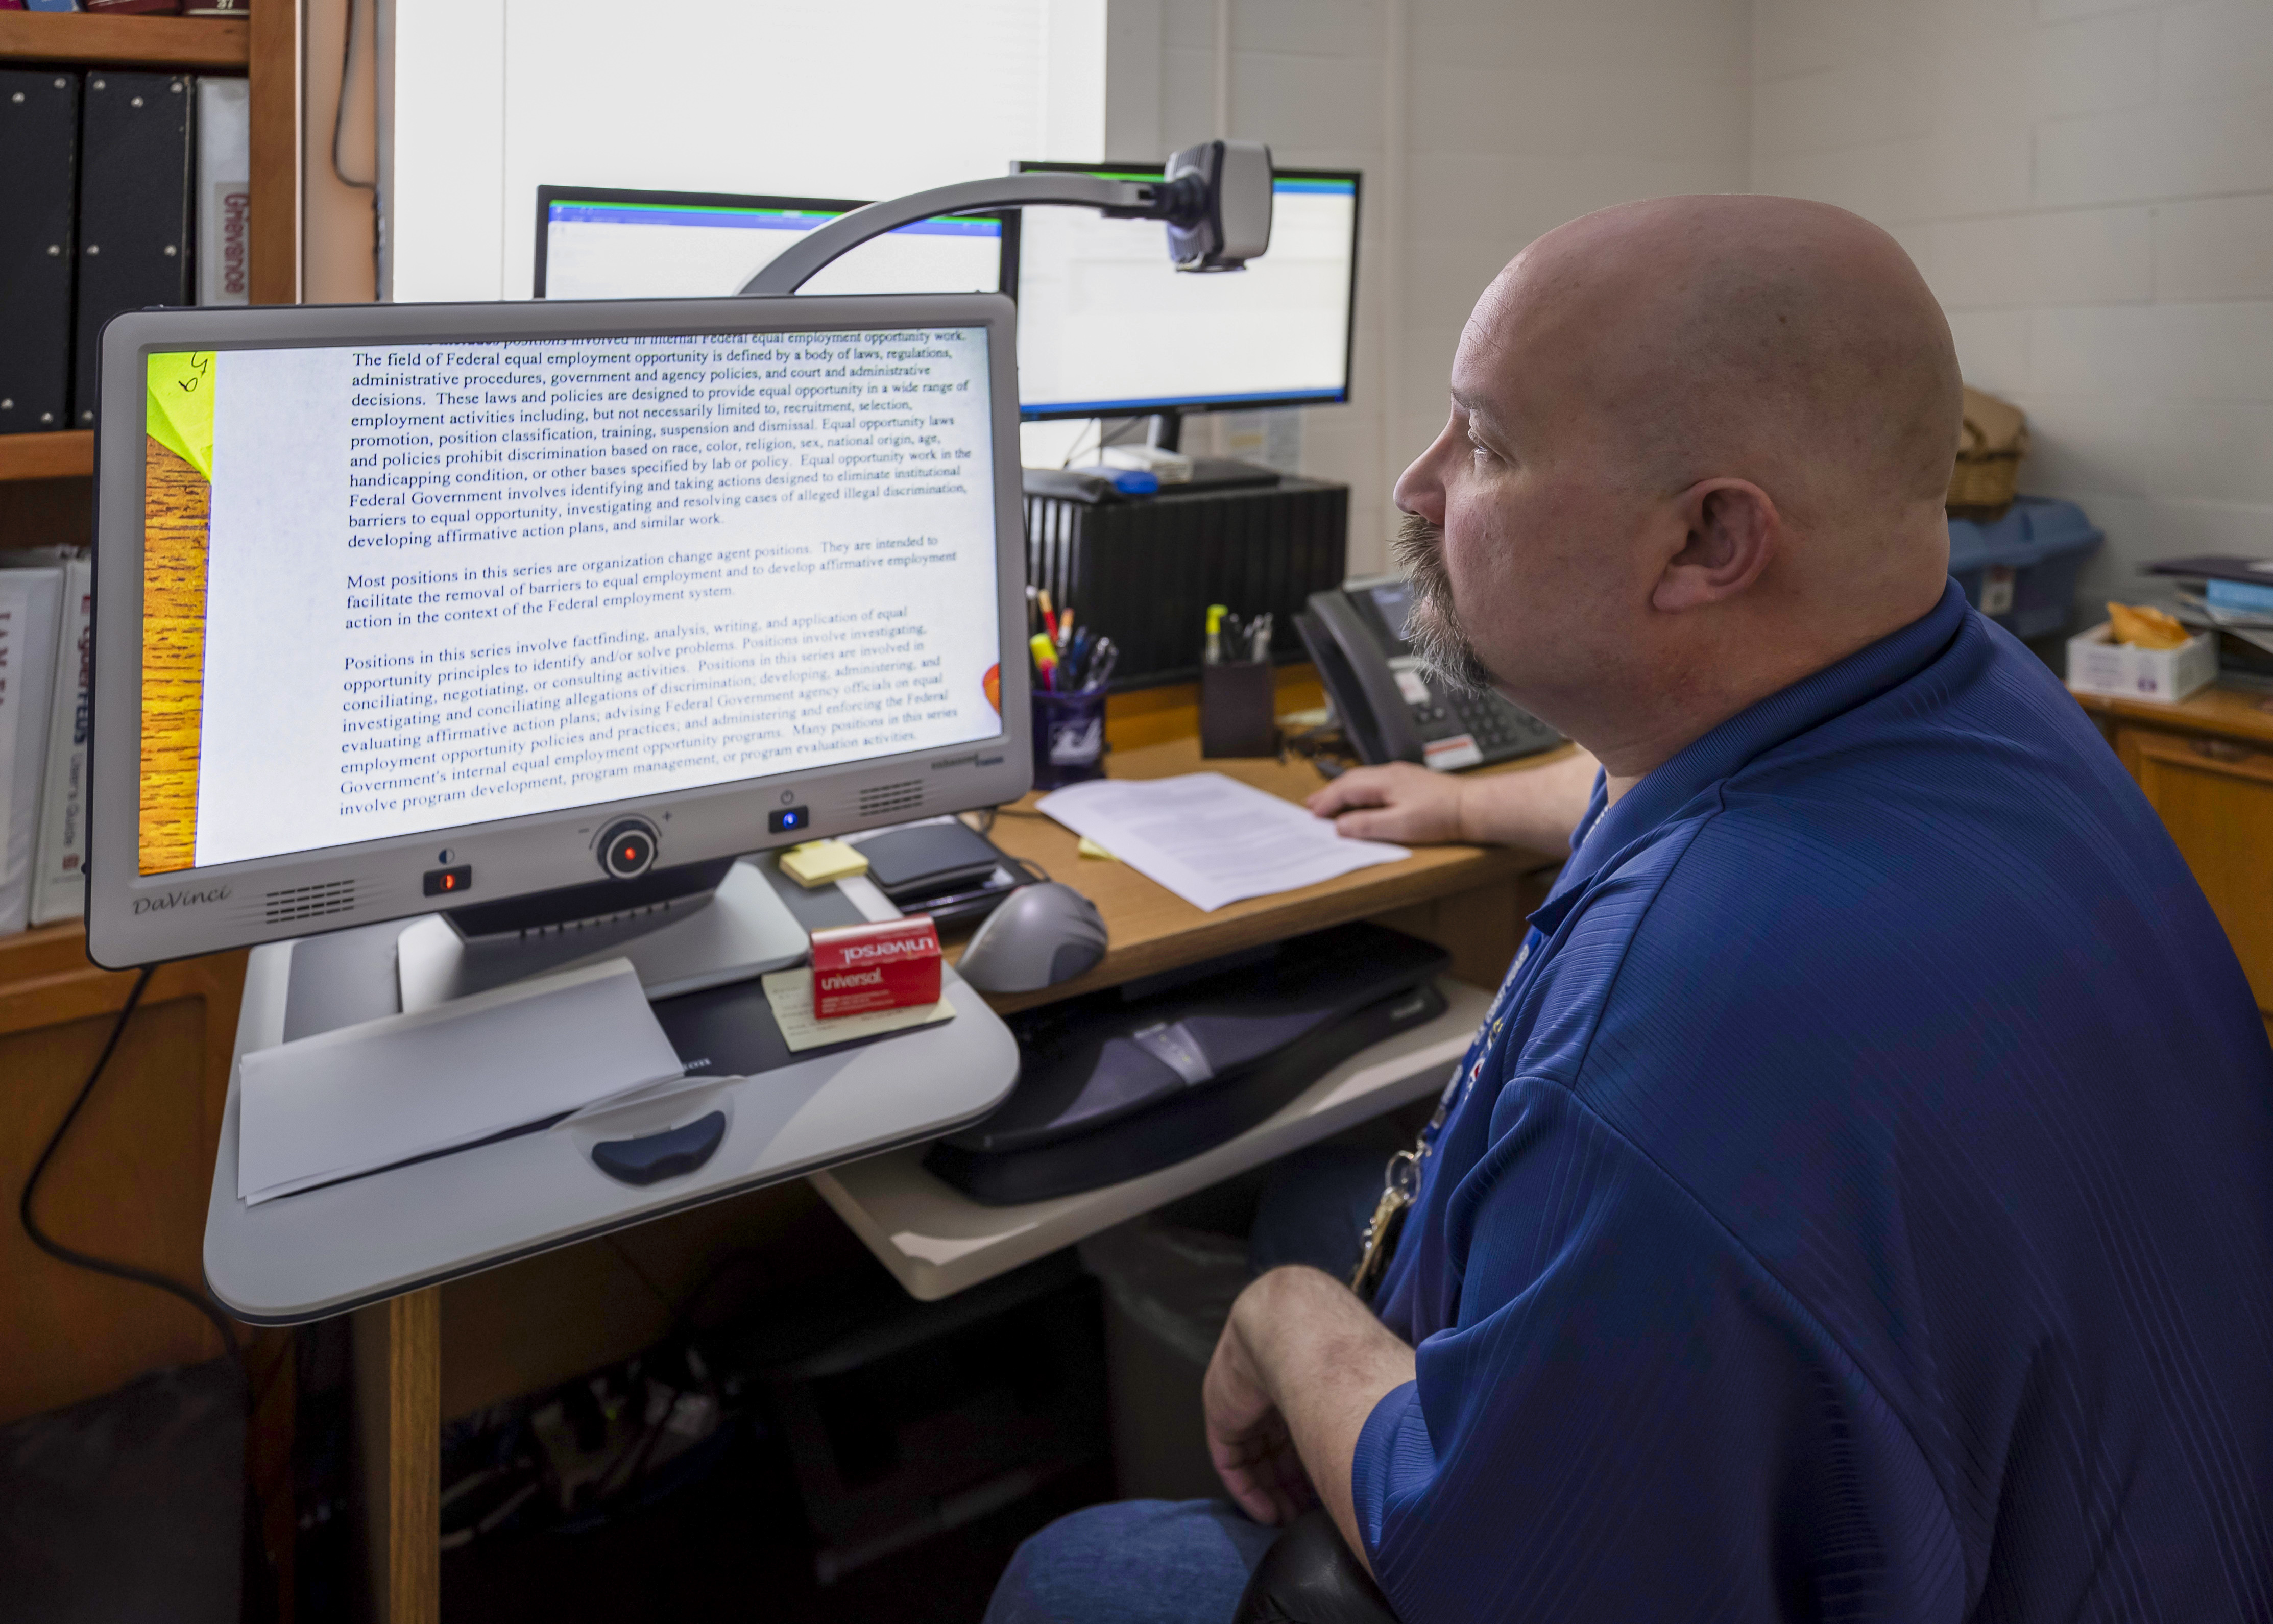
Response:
column 1858, row 1203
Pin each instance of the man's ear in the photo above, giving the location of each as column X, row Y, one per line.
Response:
column 1732, row 531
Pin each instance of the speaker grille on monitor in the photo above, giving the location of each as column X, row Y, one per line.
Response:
column 337, row 896
column 882, row 799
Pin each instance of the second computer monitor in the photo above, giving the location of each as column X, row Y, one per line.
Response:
column 1107, row 327
column 600, row 242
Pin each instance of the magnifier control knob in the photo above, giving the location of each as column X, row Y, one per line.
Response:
column 627, row 850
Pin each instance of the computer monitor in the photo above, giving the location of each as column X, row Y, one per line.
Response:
column 1107, row 328
column 404, row 607
column 596, row 242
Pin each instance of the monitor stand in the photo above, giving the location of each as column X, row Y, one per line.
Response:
column 1208, row 473
column 703, row 924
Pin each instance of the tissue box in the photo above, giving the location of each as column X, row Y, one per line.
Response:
column 2098, row 664
column 859, row 970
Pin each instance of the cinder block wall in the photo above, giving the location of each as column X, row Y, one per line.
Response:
column 1479, row 124
column 2087, row 185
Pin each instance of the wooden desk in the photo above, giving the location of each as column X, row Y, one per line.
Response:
column 1465, row 892
column 2207, row 764
column 1469, row 900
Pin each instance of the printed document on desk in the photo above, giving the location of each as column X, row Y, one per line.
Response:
column 367, row 1097
column 1210, row 839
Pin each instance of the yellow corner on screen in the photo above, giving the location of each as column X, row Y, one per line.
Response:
column 181, row 409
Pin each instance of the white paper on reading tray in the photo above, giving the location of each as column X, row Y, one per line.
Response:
column 368, row 1095
column 1210, row 839
column 789, row 991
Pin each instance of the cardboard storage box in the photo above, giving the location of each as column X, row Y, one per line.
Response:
column 2098, row 664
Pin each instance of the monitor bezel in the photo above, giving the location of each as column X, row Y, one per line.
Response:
column 1007, row 270
column 1013, row 245
column 135, row 919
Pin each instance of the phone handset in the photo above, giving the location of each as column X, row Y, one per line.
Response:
column 1374, row 711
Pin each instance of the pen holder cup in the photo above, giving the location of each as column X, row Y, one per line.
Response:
column 1239, row 709
column 1068, row 738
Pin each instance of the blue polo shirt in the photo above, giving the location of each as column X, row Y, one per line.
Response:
column 1859, row 1201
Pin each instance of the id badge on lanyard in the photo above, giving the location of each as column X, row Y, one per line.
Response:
column 1402, row 1182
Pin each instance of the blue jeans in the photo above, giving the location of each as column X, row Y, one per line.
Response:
column 1133, row 1561
column 1157, row 1561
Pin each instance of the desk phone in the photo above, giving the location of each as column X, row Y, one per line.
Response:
column 1386, row 704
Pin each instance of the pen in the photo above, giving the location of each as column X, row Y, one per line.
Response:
column 1214, row 652
column 1046, row 660
column 1065, row 626
column 1049, row 614
column 1102, row 655
column 1258, row 637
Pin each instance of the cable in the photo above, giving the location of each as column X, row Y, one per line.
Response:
column 40, row 1238
column 339, row 108
column 339, row 124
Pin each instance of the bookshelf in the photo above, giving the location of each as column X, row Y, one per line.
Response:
column 66, row 454
column 193, row 44
column 132, row 1181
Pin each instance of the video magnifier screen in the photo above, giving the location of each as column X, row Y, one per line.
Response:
column 398, row 589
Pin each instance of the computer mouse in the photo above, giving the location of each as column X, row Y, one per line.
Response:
column 1037, row 937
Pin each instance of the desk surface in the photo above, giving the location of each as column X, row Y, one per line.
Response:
column 1153, row 929
column 2232, row 712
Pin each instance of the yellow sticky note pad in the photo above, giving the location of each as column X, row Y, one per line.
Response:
column 822, row 862
column 180, row 414
column 1090, row 849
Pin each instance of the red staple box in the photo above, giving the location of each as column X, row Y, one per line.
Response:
column 862, row 970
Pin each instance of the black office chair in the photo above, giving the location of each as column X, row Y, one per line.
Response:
column 1308, row 1576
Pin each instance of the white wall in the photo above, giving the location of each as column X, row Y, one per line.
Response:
column 1478, row 124
column 2087, row 185
column 490, row 99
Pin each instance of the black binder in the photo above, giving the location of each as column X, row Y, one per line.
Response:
column 38, row 185
column 134, row 194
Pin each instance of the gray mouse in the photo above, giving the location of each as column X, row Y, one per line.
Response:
column 1037, row 937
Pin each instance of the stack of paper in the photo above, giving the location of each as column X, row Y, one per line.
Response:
column 1210, row 839
column 367, row 1097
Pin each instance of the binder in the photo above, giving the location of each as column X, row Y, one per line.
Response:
column 59, row 859
column 28, row 601
column 39, row 189
column 224, row 203
column 134, row 195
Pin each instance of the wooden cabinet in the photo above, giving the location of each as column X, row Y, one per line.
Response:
column 2207, row 765
column 131, row 1182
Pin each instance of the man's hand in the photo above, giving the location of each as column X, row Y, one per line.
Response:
column 1535, row 808
column 1400, row 802
column 1248, row 1439
column 1300, row 1367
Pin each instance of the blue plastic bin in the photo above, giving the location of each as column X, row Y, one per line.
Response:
column 2044, row 542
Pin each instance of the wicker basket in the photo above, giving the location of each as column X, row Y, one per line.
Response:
column 1990, row 444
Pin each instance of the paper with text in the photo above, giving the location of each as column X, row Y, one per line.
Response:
column 1210, row 839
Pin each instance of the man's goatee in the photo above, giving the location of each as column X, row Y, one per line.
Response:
column 1430, row 625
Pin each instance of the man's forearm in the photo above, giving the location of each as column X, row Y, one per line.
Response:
column 1535, row 809
column 1326, row 1361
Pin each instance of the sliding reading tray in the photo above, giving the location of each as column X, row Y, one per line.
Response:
column 342, row 1245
